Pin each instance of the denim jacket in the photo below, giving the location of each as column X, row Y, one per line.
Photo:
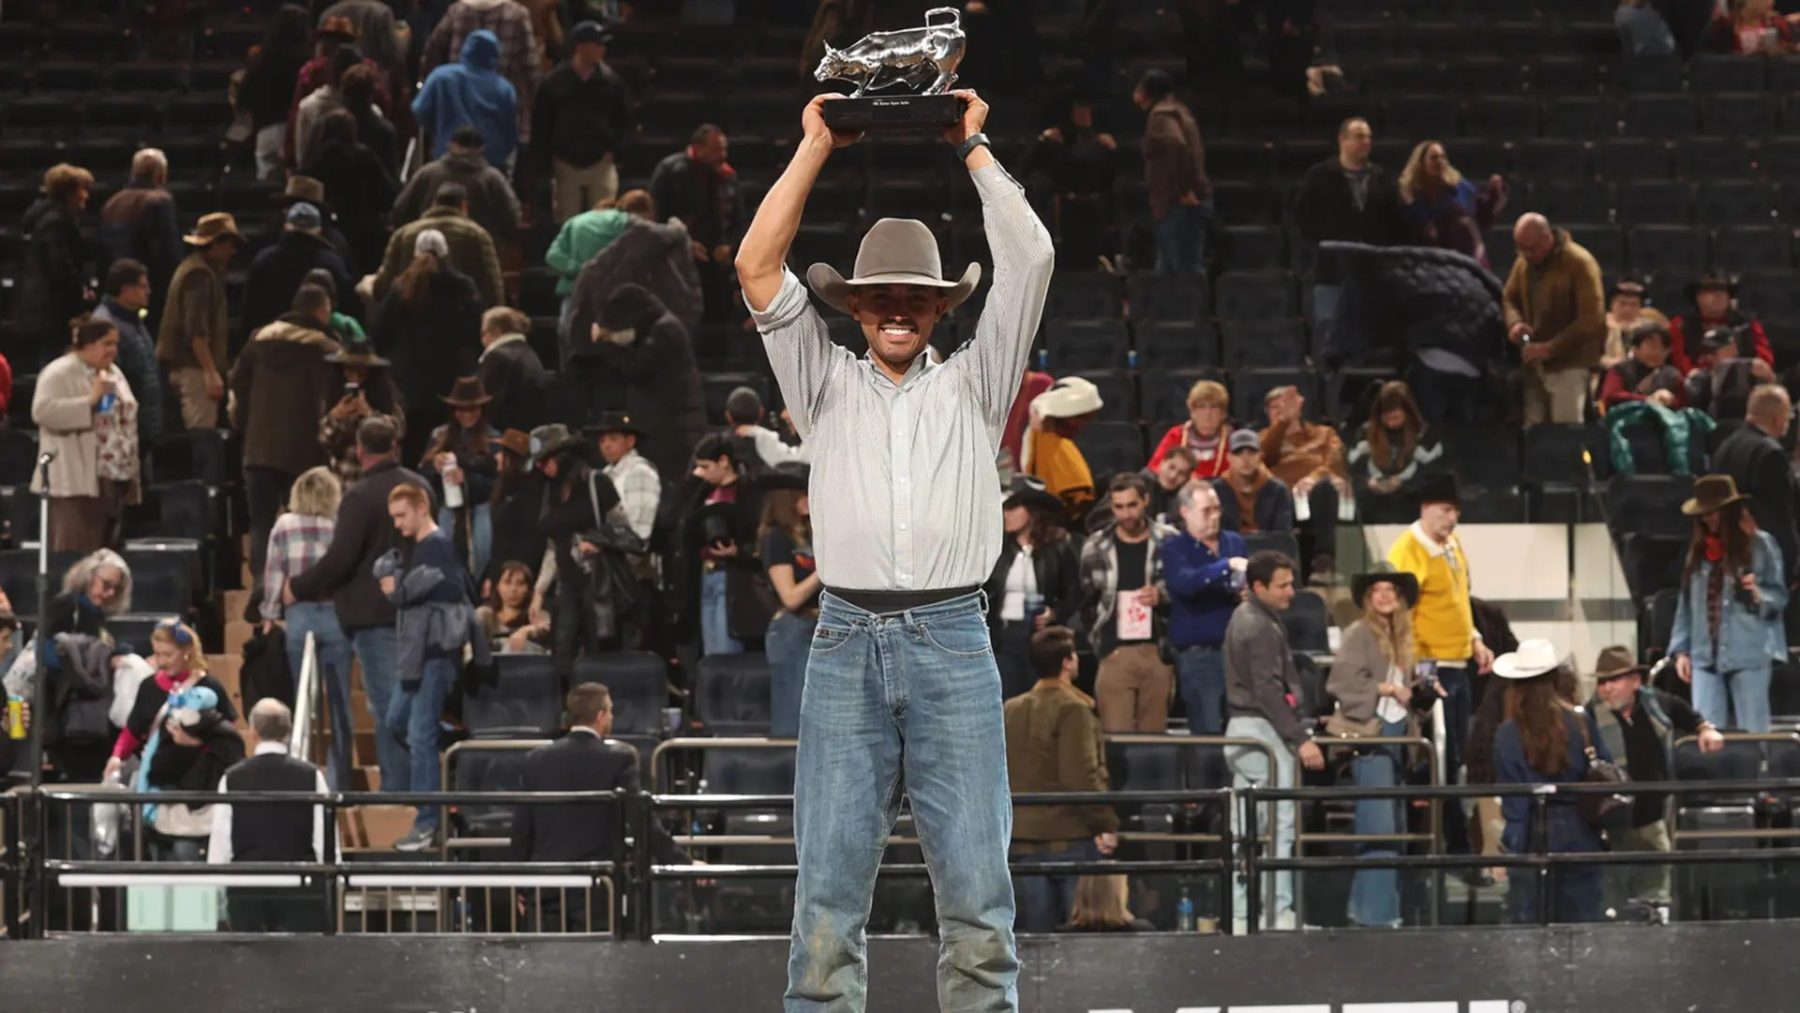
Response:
column 1749, row 638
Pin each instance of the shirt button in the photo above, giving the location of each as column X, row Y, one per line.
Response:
column 903, row 526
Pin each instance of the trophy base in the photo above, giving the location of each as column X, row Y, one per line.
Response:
column 893, row 113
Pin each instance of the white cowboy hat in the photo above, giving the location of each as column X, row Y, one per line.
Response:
column 1067, row 398
column 896, row 251
column 1532, row 659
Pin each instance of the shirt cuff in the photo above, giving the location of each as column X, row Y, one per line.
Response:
column 787, row 306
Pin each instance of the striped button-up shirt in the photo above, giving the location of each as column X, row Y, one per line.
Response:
column 904, row 493
column 295, row 544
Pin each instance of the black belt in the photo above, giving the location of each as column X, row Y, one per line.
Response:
column 884, row 602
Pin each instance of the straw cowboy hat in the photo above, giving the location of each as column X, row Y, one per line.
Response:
column 1712, row 492
column 214, row 227
column 1532, row 659
column 896, row 251
column 305, row 189
column 1615, row 662
column 466, row 392
column 1068, row 398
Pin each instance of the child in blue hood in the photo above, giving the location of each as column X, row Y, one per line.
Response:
column 471, row 93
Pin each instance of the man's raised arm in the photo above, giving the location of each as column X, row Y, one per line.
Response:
column 765, row 246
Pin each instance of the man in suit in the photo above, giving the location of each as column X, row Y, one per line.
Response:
column 1753, row 457
column 583, row 760
column 271, row 831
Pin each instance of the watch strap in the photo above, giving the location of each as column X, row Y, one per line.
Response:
column 968, row 146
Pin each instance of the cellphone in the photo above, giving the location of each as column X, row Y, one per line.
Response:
column 352, row 389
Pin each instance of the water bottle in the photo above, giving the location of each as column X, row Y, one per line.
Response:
column 1131, row 359
column 1184, row 912
column 108, row 402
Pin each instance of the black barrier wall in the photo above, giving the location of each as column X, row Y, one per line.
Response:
column 1741, row 967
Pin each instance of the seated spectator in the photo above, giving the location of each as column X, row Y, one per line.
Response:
column 86, row 416
column 429, row 324
column 1646, row 375
column 1310, row 459
column 1050, row 451
column 271, row 833
column 1438, row 207
column 1068, row 173
column 505, row 617
column 365, row 390
column 1053, row 743
column 1626, row 312
column 787, row 556
column 492, row 202
column 1750, row 27
column 1251, row 498
column 1712, row 298
column 1036, row 581
column 511, row 372
column 1103, row 904
column 1203, row 567
column 470, row 249
column 583, row 237
column 471, row 92
column 747, row 418
column 1205, row 432
column 278, row 271
column 638, row 355
column 1642, row 30
column 700, row 189
column 1722, row 388
column 78, row 737
column 518, row 500
column 1397, row 448
column 1166, row 479
column 361, row 187
column 460, row 466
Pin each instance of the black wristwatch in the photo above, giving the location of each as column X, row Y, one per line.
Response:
column 967, row 147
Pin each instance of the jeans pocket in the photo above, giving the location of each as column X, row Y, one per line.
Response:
column 962, row 638
column 826, row 639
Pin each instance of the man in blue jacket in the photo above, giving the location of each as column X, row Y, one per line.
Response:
column 1203, row 568
column 471, row 93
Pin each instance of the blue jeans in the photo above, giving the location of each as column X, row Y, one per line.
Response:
column 1200, row 677
column 1250, row 767
column 715, row 616
column 790, row 637
column 332, row 650
column 481, row 534
column 1324, row 312
column 1375, row 893
column 1046, row 902
column 1737, row 700
column 413, row 720
column 904, row 702
column 1181, row 239
column 374, row 647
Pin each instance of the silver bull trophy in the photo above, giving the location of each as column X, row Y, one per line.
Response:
column 921, row 58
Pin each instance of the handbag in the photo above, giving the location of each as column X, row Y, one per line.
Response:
column 1345, row 728
column 1605, row 812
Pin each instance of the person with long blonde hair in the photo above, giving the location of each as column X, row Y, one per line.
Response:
column 1103, row 904
column 1439, row 207
column 1373, row 681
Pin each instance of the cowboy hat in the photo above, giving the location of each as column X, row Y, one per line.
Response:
column 1615, row 662
column 1029, row 491
column 466, row 392
column 614, row 422
column 1068, row 398
column 896, row 251
column 1439, row 487
column 551, row 440
column 336, row 28
column 214, row 227
column 1712, row 492
column 515, row 441
column 1405, row 583
column 1710, row 282
column 1532, row 659
column 305, row 188
column 793, row 475
column 357, row 350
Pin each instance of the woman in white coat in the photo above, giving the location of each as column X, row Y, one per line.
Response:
column 87, row 416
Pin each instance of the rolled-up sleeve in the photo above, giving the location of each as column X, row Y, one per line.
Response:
column 1023, row 260
column 800, row 350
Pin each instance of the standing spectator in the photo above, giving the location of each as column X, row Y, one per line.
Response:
column 1206, row 432
column 546, row 33
column 1372, row 681
column 344, row 327
column 361, row 186
column 719, row 532
column 264, row 832
column 1054, row 743
column 1396, row 451
column 785, row 547
column 1751, row 27
column 1347, row 199
column 323, row 101
column 1646, row 375
column 192, row 340
column 469, row 249
column 1310, row 458
column 492, row 202
column 127, row 294
column 373, row 130
column 1050, row 452
column 1728, row 632
column 1546, row 739
column 334, row 33
column 53, row 290
column 280, row 381
column 1175, row 175
column 1754, row 457
column 637, row 344
column 585, row 235
column 1642, row 30
column 648, row 254
column 278, row 271
column 510, row 371
column 700, row 187
column 1123, row 611
column 141, row 223
column 1263, row 692
column 581, row 120
column 1203, row 569
column 1713, row 308
column 267, row 89
column 345, row 575
column 428, row 325
column 1251, row 499
column 95, row 589
column 1438, row 207
column 87, row 419
column 471, row 93
column 576, row 496
column 366, row 390
column 434, row 600
column 1069, row 176
column 1638, row 725
column 1444, row 630
column 509, row 23
column 297, row 541
column 639, row 486
column 1555, row 314
column 748, row 420
column 461, row 467
column 517, row 503
column 1627, row 310
column 1036, row 581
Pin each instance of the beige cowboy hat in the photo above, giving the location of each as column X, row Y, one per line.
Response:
column 214, row 227
column 896, row 251
column 1068, row 398
column 1532, row 659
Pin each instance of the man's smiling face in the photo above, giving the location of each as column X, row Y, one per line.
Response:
column 897, row 319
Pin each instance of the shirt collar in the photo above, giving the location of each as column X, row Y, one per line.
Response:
column 1433, row 547
column 505, row 339
column 586, row 730
column 920, row 366
column 271, row 747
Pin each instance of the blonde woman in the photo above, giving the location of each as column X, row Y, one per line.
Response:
column 1438, row 207
column 1372, row 680
column 1102, row 904
column 296, row 542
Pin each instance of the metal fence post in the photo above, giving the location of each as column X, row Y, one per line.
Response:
column 1540, row 821
column 330, row 858
column 1226, row 867
column 1251, row 843
column 642, row 861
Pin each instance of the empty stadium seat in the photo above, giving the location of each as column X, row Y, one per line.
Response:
column 1660, row 201
column 1659, row 115
column 1420, row 116
column 1256, row 295
column 1770, row 293
column 639, row 683
column 1734, row 202
column 1083, row 295
column 749, row 771
column 1168, row 344
column 164, row 575
column 731, row 693
column 1649, row 504
column 1306, row 622
column 1627, row 158
column 1742, row 248
column 1166, row 297
column 1581, row 117
column 1272, row 342
column 1483, row 457
column 1283, row 542
column 1725, row 72
column 1111, row 447
column 1553, row 454
column 1086, row 344
column 1504, row 116
column 1550, row 158
column 1677, row 251
column 1741, row 116
column 18, row 455
column 1250, row 247
column 483, row 767
column 1118, row 394
column 527, row 701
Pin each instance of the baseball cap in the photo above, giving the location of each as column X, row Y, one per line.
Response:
column 302, row 215
column 590, row 31
column 1243, row 439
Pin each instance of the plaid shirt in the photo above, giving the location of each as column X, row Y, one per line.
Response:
column 295, row 544
column 1100, row 574
column 508, row 20
column 640, row 492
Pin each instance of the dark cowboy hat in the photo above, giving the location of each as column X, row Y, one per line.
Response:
column 1405, row 583
column 786, row 475
column 555, row 439
column 1439, row 487
column 896, row 251
column 1714, row 282
column 358, row 351
column 1032, row 492
column 336, row 28
column 466, row 392
column 515, row 441
column 1615, row 662
column 1712, row 492
column 613, row 422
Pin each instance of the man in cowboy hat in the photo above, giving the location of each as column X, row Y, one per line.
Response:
column 1711, row 296
column 363, row 395
column 1639, row 726
column 640, row 487
column 903, row 508
column 192, row 340
column 1050, row 452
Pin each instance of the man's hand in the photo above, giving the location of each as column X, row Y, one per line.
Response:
column 215, row 386
column 1106, row 843
column 1149, row 596
column 1534, row 353
column 1484, row 658
column 1516, row 333
column 699, row 250
column 1684, row 668
column 1052, row 134
column 1311, row 756
column 1710, row 739
column 974, row 117
column 812, row 124
column 721, row 254
column 1664, row 397
column 1107, row 141
column 1190, row 199
column 287, row 593
column 268, row 626
column 1044, row 618
column 589, row 548
column 387, row 584
column 725, row 550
